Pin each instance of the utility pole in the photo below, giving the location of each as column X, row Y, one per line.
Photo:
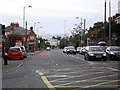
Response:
column 26, row 36
column 105, row 21
column 84, row 29
column 81, row 32
column 109, row 23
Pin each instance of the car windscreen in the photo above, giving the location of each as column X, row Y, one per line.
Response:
column 115, row 49
column 71, row 48
column 14, row 49
column 95, row 49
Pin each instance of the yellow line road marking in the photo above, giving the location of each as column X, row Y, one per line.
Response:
column 78, row 76
column 100, row 84
column 71, row 72
column 85, row 80
column 49, row 85
column 113, row 69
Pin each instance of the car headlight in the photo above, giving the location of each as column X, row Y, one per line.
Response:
column 104, row 54
column 91, row 54
column 111, row 53
column 68, row 50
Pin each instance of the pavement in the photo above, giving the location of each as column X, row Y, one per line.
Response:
column 16, row 62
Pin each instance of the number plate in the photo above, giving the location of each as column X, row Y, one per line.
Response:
column 14, row 53
column 98, row 56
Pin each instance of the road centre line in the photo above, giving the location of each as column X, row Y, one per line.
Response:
column 77, row 76
column 45, row 80
column 86, row 80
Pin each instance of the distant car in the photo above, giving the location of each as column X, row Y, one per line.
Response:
column 23, row 50
column 94, row 52
column 65, row 49
column 71, row 50
column 82, row 50
column 113, row 52
column 48, row 48
column 15, row 52
column 78, row 49
column 104, row 48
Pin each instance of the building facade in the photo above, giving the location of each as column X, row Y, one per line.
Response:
column 29, row 38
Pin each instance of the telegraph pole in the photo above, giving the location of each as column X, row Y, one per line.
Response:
column 109, row 23
column 105, row 21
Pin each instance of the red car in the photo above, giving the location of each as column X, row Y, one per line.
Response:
column 15, row 52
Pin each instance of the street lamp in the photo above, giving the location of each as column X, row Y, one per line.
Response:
column 24, row 14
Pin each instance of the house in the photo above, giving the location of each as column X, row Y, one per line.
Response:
column 29, row 38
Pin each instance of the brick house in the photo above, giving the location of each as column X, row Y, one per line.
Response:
column 31, row 43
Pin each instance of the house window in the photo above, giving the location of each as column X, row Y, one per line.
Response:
column 31, row 37
column 24, row 38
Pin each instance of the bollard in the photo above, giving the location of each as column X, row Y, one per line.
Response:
column 5, row 58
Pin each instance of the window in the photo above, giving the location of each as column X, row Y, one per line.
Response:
column 31, row 37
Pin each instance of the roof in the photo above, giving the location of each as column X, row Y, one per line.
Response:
column 17, row 30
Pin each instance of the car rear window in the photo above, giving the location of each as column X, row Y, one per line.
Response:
column 14, row 49
column 115, row 49
column 95, row 49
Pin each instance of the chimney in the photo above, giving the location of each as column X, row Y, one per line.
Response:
column 31, row 29
column 14, row 24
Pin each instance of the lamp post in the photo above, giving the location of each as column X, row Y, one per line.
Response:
column 24, row 15
column 36, row 30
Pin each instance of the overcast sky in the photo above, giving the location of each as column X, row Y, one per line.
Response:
column 52, row 14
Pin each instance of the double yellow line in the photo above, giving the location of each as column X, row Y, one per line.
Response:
column 45, row 80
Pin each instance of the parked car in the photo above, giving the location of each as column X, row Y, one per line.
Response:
column 23, row 50
column 78, row 49
column 48, row 48
column 71, row 50
column 65, row 49
column 94, row 52
column 82, row 50
column 15, row 52
column 113, row 52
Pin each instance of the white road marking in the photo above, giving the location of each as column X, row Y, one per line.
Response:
column 20, row 65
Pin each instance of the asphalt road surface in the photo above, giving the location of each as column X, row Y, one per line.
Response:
column 56, row 70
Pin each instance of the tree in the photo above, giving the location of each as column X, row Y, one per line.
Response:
column 11, row 39
column 47, row 44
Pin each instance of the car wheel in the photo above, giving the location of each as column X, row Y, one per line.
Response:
column 25, row 56
column 84, row 57
column 108, row 57
column 87, row 58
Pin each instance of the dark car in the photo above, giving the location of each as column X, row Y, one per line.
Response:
column 71, row 50
column 113, row 53
column 94, row 52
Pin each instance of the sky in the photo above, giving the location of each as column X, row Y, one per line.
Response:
column 55, row 16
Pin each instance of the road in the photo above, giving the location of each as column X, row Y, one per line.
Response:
column 56, row 70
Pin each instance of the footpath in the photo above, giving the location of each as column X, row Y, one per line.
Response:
column 16, row 62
